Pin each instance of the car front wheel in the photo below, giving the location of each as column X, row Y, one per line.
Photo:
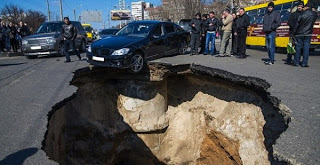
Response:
column 61, row 50
column 182, row 48
column 136, row 62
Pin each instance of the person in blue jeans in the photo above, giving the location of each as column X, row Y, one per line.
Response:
column 303, row 33
column 271, row 22
column 211, row 24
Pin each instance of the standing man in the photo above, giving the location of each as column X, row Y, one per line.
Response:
column 292, row 22
column 204, row 33
column 303, row 31
column 196, row 24
column 234, row 48
column 242, row 25
column 226, row 28
column 69, row 34
column 271, row 21
column 212, row 26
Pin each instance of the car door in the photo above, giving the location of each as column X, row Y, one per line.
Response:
column 156, row 46
column 171, row 41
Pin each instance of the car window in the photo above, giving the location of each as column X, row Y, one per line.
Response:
column 50, row 28
column 157, row 31
column 136, row 30
column 169, row 28
column 284, row 16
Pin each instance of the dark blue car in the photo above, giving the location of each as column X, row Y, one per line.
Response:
column 137, row 43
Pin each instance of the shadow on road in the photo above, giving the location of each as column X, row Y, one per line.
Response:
column 19, row 157
column 13, row 64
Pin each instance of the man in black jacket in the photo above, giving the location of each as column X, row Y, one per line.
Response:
column 271, row 21
column 234, row 48
column 196, row 25
column 242, row 25
column 291, row 22
column 303, row 31
column 211, row 24
column 69, row 34
column 203, row 33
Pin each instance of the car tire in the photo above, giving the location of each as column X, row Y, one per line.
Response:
column 61, row 50
column 182, row 48
column 32, row 57
column 82, row 47
column 136, row 62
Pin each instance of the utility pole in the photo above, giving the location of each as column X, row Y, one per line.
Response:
column 61, row 12
column 49, row 17
column 74, row 14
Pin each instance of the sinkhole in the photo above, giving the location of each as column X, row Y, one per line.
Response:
column 167, row 114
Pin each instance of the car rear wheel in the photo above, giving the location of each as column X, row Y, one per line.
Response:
column 32, row 57
column 83, row 46
column 182, row 48
column 136, row 62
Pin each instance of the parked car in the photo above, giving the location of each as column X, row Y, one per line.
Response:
column 89, row 30
column 107, row 32
column 47, row 40
column 137, row 43
column 184, row 23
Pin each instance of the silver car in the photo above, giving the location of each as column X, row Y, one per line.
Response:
column 47, row 40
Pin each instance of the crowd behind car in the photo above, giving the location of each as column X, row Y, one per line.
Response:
column 11, row 35
column 232, row 29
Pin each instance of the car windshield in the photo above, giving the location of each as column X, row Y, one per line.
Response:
column 135, row 30
column 107, row 31
column 49, row 28
column 87, row 28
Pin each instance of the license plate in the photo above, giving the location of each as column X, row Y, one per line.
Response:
column 35, row 47
column 98, row 58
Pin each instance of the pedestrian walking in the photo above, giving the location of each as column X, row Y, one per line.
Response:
column 69, row 34
column 303, row 32
column 204, row 34
column 226, row 30
column 12, row 34
column 242, row 25
column 212, row 26
column 234, row 46
column 271, row 21
column 196, row 25
column 295, row 12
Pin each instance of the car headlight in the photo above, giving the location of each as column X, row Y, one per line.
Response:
column 24, row 42
column 51, row 40
column 120, row 52
column 89, row 48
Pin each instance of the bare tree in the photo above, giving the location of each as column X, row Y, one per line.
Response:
column 15, row 14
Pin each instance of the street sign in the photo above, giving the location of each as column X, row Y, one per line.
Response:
column 91, row 16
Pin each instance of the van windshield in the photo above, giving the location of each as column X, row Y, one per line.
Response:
column 50, row 28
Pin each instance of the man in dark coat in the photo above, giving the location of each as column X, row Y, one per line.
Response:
column 234, row 49
column 303, row 32
column 196, row 26
column 291, row 22
column 204, row 33
column 242, row 25
column 271, row 21
column 69, row 34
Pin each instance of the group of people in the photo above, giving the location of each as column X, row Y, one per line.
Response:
column 233, row 26
column 11, row 35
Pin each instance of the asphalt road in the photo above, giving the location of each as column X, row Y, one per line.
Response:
column 29, row 88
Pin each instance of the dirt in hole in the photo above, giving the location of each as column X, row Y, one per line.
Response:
column 166, row 115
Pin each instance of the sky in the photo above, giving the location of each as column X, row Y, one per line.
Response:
column 69, row 5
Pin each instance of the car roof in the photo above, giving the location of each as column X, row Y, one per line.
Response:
column 59, row 21
column 148, row 22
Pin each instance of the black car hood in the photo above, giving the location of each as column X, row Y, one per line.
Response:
column 42, row 35
column 115, row 42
